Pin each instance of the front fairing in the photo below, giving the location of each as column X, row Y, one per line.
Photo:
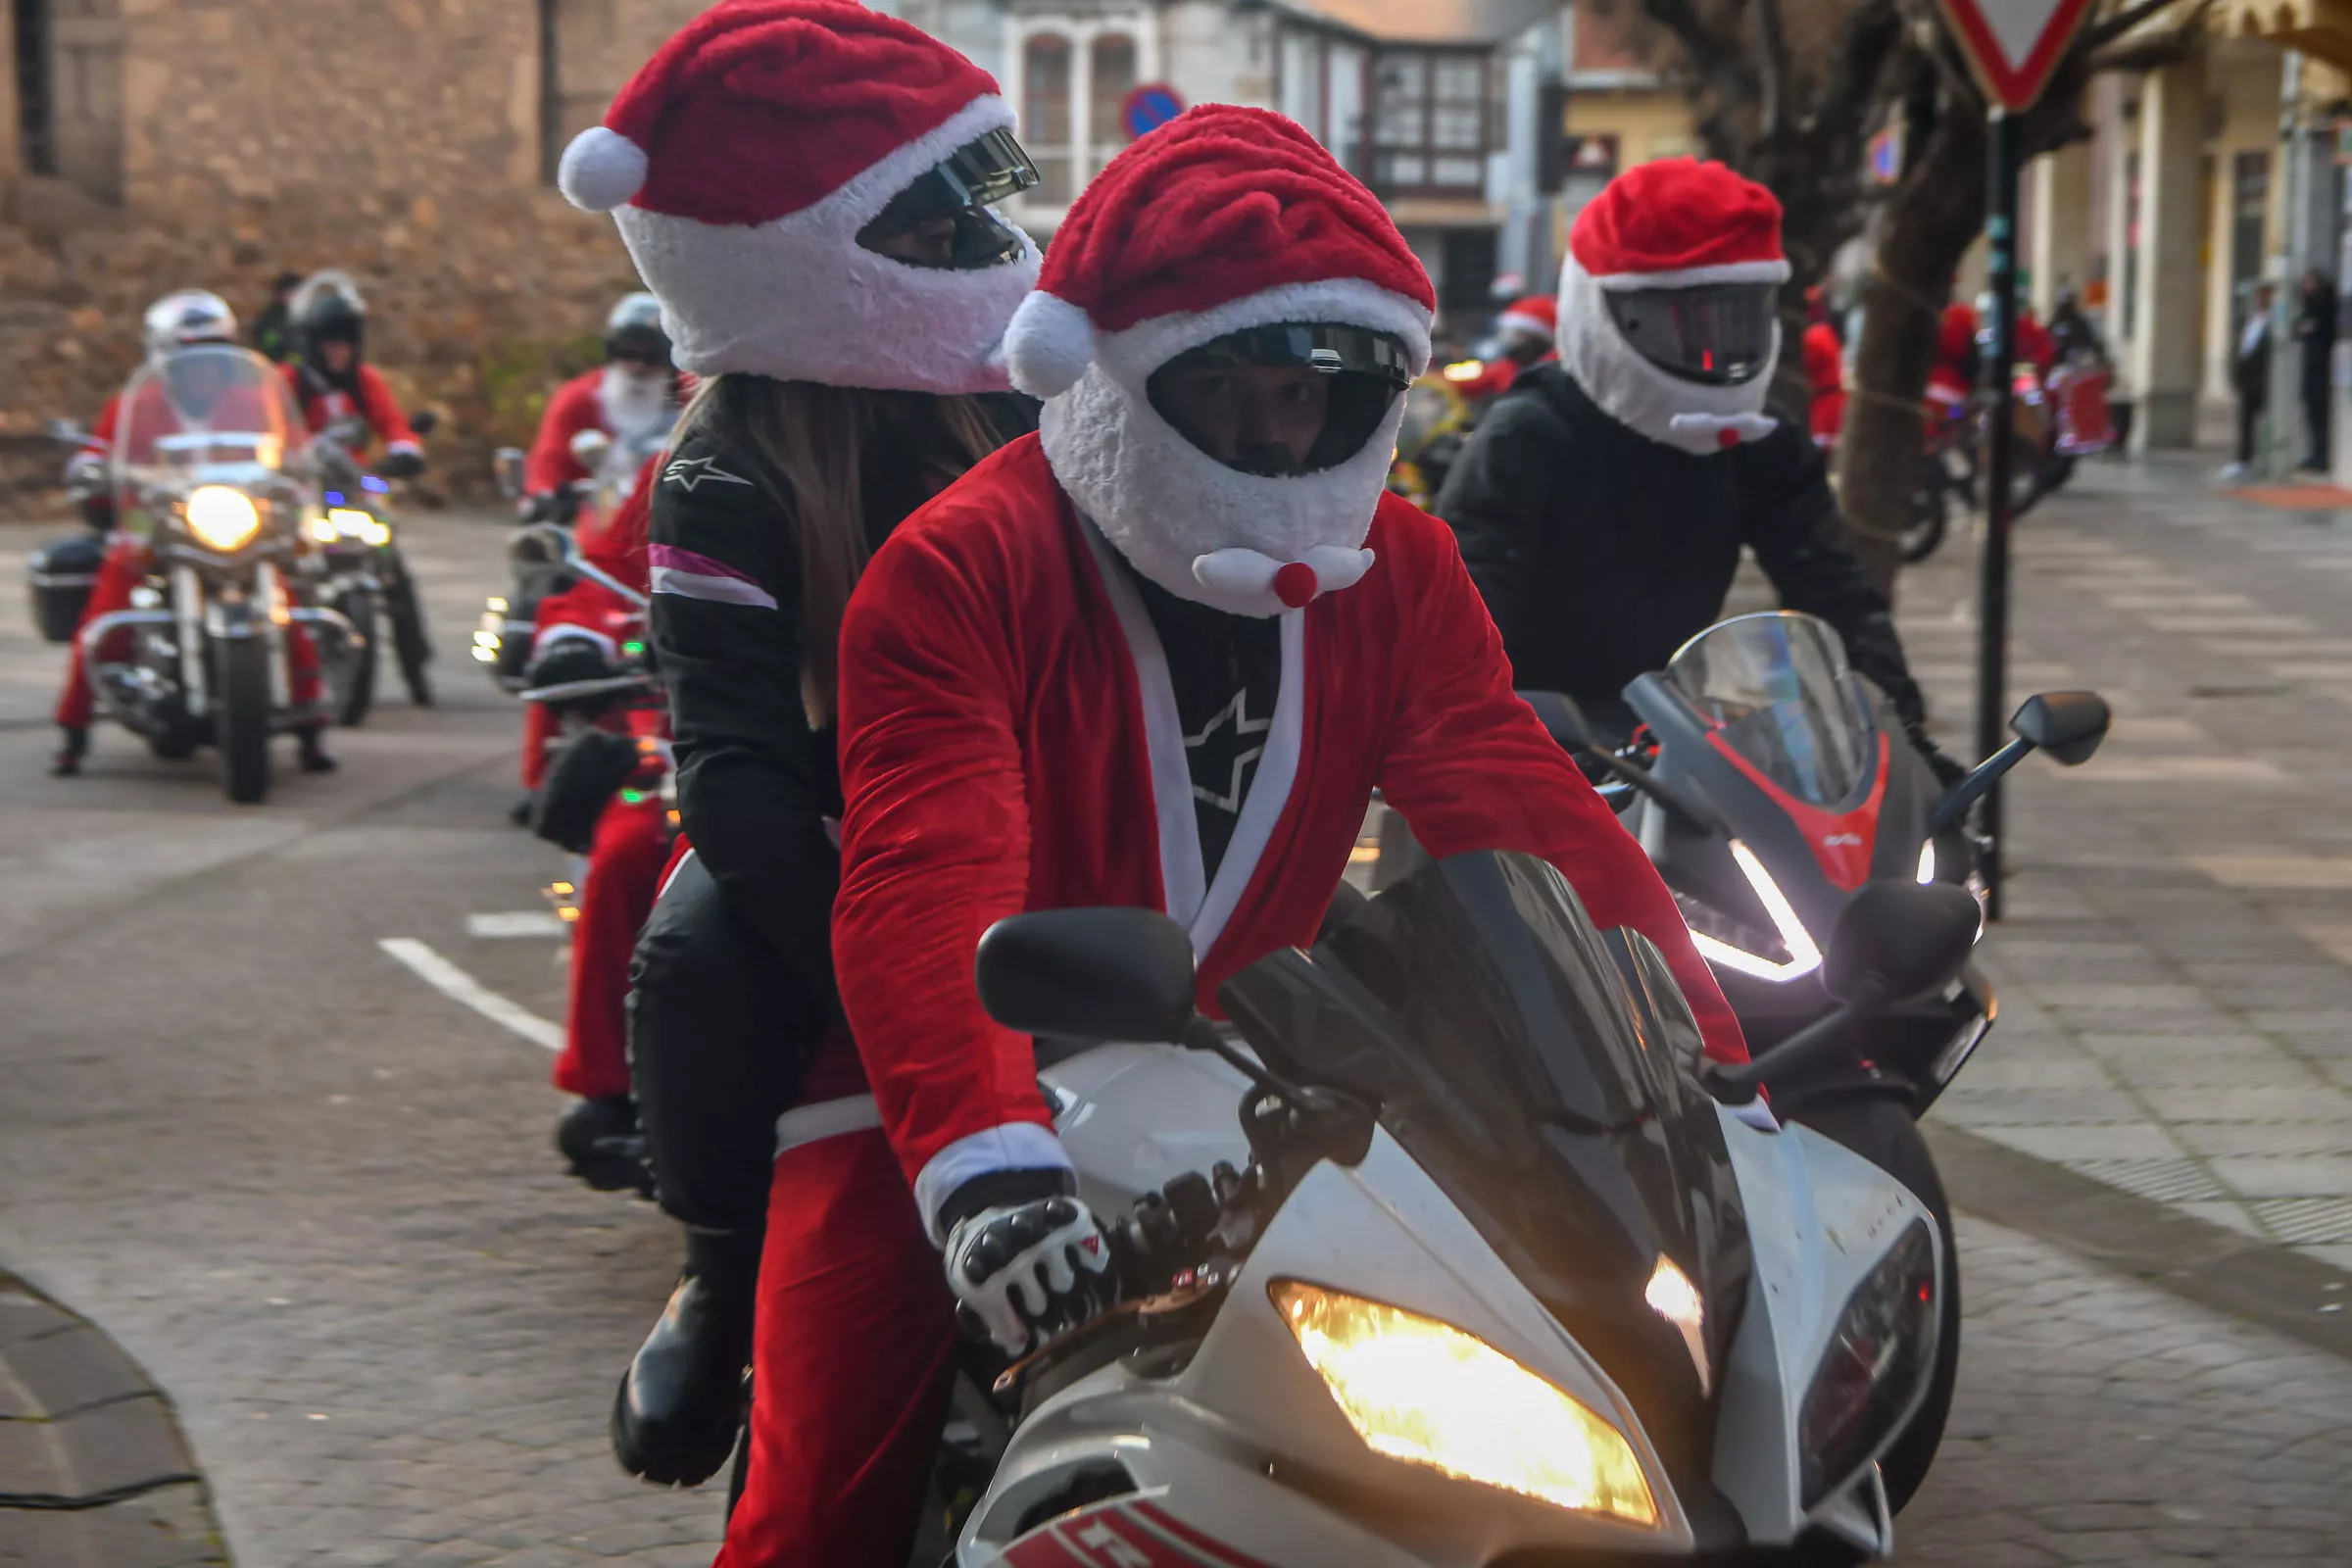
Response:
column 1543, row 1076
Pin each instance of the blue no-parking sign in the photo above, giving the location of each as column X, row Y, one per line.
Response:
column 1148, row 107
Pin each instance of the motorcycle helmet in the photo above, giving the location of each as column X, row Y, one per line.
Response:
column 1215, row 397
column 1715, row 334
column 945, row 216
column 329, row 308
column 633, row 331
column 184, row 317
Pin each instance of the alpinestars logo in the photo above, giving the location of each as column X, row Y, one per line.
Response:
column 689, row 472
column 1216, row 744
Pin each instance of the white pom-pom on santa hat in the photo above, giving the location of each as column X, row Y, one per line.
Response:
column 1047, row 345
column 600, row 170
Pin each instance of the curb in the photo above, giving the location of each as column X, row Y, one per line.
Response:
column 2241, row 1276
column 94, row 1471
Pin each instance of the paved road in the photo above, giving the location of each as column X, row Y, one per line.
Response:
column 312, row 1196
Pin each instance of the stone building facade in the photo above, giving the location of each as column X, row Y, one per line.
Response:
column 153, row 144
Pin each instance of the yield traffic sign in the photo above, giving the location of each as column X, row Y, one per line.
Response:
column 2014, row 45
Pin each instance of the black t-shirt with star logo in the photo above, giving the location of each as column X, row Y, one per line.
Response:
column 1226, row 672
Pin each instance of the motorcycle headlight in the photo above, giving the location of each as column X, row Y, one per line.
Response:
column 1882, row 1348
column 350, row 522
column 1427, row 1393
column 221, row 517
column 1721, row 939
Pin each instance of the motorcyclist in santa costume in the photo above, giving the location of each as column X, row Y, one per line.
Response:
column 183, row 319
column 1603, row 502
column 1160, row 654
column 806, row 184
column 635, row 395
column 332, row 379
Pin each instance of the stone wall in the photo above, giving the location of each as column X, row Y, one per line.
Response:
column 398, row 139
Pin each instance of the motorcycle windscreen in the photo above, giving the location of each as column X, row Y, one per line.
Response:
column 207, row 414
column 1543, row 1073
column 1776, row 690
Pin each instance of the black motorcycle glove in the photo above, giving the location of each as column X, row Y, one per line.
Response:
column 403, row 465
column 1031, row 1271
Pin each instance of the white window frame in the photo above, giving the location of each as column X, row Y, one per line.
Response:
column 1080, row 33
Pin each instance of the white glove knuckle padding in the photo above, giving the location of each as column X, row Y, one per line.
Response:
column 1031, row 1270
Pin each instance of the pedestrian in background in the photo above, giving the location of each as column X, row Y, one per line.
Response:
column 2250, row 375
column 2315, row 333
column 273, row 328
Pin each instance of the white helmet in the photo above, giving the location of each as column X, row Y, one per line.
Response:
column 188, row 315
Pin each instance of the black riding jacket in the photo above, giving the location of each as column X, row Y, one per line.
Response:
column 756, row 782
column 1600, row 552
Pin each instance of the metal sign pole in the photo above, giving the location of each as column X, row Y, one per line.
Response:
column 1992, row 593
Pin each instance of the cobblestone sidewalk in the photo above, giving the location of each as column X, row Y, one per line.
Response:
column 2175, row 965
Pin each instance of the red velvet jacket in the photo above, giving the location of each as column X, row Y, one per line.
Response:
column 1009, row 742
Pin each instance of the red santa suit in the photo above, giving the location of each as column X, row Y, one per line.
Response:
column 1825, row 374
column 601, row 399
column 1011, row 741
column 369, row 396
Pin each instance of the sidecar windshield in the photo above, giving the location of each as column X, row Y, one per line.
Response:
column 207, row 414
column 1543, row 1073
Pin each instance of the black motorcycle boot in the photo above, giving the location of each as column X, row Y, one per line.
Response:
column 315, row 755
column 681, row 1402
column 73, row 744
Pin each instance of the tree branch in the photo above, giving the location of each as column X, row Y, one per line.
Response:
column 2109, row 28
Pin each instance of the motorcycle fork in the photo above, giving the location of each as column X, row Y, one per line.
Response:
column 269, row 587
column 188, row 609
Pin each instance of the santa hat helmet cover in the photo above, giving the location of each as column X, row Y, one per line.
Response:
column 1538, row 315
column 1675, row 223
column 744, row 159
column 1224, row 219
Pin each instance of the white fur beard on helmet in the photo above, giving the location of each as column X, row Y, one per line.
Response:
column 1197, row 528
column 634, row 406
column 1634, row 392
column 801, row 300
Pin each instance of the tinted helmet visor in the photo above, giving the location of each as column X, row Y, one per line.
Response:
column 942, row 218
column 1363, row 372
column 1717, row 334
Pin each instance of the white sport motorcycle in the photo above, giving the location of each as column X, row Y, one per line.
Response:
column 1494, row 1267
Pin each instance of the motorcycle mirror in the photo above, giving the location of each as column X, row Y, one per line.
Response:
column 2068, row 725
column 67, row 431
column 507, row 465
column 1088, row 974
column 1897, row 940
column 588, row 447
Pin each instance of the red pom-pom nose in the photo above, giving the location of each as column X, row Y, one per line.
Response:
column 1295, row 584
column 1727, row 439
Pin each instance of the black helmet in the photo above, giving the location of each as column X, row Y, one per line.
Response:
column 633, row 331
column 1364, row 371
column 328, row 309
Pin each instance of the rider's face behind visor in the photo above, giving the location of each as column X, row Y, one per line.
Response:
column 1717, row 334
column 942, row 220
column 1291, row 398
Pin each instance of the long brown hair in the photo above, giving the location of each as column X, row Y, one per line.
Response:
column 807, row 444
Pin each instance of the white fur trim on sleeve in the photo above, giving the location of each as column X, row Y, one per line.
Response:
column 566, row 630
column 600, row 170
column 1013, row 1145
column 1047, row 345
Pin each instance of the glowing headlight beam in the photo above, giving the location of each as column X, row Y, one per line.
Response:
column 1427, row 1393
column 221, row 517
column 1804, row 956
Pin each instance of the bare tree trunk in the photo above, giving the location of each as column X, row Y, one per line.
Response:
column 1934, row 215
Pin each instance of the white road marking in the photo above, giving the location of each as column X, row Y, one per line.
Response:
column 510, row 923
column 459, row 986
